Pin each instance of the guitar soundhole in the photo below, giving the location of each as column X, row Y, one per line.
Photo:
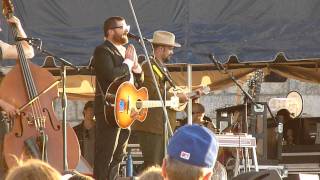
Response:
column 139, row 104
column 122, row 105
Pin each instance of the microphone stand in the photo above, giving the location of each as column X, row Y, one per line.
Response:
column 64, row 65
column 166, row 126
column 223, row 70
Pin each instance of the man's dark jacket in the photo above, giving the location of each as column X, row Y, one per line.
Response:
column 108, row 65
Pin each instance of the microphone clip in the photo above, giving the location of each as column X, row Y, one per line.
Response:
column 35, row 42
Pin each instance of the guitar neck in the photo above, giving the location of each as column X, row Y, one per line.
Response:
column 151, row 104
column 192, row 94
column 197, row 93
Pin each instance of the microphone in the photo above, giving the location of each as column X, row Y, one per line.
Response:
column 132, row 36
column 27, row 39
column 137, row 38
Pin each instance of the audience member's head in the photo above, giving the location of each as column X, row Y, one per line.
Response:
column 197, row 113
column 33, row 169
column 192, row 153
column 88, row 110
column 151, row 173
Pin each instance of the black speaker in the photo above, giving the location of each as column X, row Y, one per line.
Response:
column 262, row 175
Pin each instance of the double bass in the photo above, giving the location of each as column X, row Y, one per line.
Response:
column 35, row 132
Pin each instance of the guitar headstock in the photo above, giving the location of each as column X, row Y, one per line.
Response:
column 205, row 90
column 199, row 92
column 254, row 83
column 7, row 8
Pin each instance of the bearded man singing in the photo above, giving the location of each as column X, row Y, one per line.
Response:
column 111, row 60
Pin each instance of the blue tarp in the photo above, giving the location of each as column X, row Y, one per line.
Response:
column 252, row 30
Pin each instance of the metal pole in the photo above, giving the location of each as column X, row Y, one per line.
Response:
column 150, row 67
column 64, row 119
column 189, row 69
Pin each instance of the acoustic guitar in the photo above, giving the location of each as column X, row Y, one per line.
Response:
column 131, row 104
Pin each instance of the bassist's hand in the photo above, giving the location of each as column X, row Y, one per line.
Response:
column 14, row 20
column 10, row 110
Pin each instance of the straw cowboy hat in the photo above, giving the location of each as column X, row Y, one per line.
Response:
column 164, row 38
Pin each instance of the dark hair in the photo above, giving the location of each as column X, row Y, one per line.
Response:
column 198, row 108
column 89, row 104
column 110, row 23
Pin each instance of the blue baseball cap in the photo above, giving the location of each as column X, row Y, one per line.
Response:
column 194, row 145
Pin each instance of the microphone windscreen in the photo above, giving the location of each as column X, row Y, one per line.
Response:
column 132, row 36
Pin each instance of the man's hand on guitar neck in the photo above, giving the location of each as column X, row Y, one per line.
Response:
column 182, row 97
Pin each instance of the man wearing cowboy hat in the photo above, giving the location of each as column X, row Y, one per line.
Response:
column 149, row 133
column 163, row 44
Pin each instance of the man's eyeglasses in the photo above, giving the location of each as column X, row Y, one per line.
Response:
column 124, row 27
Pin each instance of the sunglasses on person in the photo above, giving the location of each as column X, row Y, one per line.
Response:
column 124, row 27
